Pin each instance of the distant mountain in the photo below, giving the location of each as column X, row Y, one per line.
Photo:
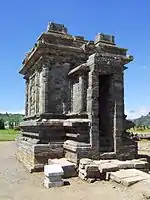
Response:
column 11, row 117
column 143, row 120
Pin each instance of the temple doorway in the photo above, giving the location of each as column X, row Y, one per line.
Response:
column 105, row 114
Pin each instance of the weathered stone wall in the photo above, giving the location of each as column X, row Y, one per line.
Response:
column 34, row 156
column 32, row 94
column 58, row 88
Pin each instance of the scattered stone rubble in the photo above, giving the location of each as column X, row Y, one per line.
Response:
column 126, row 172
column 128, row 177
column 101, row 169
column 53, row 175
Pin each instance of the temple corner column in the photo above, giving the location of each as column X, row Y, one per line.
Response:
column 44, row 91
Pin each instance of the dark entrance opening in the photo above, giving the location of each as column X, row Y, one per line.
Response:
column 105, row 114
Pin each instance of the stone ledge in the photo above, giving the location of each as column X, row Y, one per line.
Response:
column 76, row 146
column 109, row 155
column 43, row 122
column 76, row 122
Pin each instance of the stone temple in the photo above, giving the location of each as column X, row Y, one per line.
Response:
column 74, row 100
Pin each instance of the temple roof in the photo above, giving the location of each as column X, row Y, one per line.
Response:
column 56, row 41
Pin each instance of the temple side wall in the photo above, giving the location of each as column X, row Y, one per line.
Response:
column 34, row 156
column 47, row 90
column 58, row 88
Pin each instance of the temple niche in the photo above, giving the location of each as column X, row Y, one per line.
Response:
column 74, row 100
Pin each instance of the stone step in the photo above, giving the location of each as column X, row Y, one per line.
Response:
column 128, row 177
column 68, row 167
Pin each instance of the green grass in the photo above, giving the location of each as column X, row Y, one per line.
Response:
column 140, row 131
column 8, row 135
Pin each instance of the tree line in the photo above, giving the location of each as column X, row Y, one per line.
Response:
column 12, row 120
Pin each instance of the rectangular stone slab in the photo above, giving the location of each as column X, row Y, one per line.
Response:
column 129, row 176
column 91, row 168
column 124, row 173
column 90, row 174
column 49, row 184
column 139, row 164
column 68, row 167
column 53, row 170
column 85, row 161
column 53, row 178
column 132, row 180
column 125, row 164
column 108, row 167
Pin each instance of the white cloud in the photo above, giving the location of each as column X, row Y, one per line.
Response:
column 144, row 67
column 133, row 114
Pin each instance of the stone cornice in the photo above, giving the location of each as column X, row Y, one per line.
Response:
column 109, row 59
column 53, row 52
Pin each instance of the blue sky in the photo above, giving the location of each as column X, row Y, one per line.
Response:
column 21, row 22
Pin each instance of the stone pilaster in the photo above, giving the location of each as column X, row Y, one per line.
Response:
column 37, row 92
column 26, row 97
column 118, row 111
column 29, row 97
column 43, row 93
column 69, row 96
column 93, row 105
column 82, row 82
column 66, row 88
column 81, row 89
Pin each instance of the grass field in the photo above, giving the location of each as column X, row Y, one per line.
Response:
column 8, row 135
column 140, row 131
